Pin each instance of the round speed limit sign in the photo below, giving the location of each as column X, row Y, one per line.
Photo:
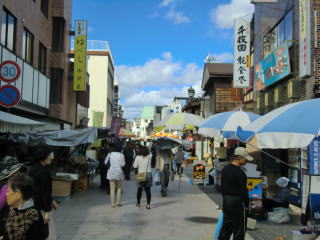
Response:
column 9, row 71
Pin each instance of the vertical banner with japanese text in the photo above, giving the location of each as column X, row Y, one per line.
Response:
column 80, row 56
column 305, row 39
column 241, row 65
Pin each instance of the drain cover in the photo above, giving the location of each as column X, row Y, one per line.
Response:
column 201, row 220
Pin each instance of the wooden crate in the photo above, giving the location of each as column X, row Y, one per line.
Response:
column 81, row 184
column 61, row 187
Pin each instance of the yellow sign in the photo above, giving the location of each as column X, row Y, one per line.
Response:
column 252, row 182
column 80, row 56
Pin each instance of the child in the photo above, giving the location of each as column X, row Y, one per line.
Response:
column 24, row 221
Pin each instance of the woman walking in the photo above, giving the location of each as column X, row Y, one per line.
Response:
column 115, row 173
column 143, row 164
column 41, row 175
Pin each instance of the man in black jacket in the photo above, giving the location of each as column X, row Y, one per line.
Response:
column 235, row 197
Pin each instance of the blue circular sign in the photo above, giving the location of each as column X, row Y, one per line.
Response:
column 9, row 96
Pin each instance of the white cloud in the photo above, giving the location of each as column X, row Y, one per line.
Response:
column 223, row 57
column 156, row 82
column 166, row 3
column 223, row 15
column 177, row 17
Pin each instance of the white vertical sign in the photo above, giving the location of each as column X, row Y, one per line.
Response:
column 241, row 65
column 305, row 39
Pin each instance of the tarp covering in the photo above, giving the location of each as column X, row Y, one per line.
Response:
column 16, row 124
column 62, row 138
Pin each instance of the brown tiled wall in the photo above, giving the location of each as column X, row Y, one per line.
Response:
column 29, row 15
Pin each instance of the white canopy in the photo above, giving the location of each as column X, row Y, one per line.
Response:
column 16, row 124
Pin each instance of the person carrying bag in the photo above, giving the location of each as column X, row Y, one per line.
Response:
column 144, row 176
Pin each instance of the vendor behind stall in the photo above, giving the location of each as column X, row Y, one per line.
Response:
column 282, row 197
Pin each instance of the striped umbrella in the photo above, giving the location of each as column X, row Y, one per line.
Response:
column 179, row 121
column 226, row 123
column 292, row 126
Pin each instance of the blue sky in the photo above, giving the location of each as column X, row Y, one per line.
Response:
column 159, row 45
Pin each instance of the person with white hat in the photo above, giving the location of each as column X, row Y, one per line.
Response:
column 235, row 196
column 282, row 197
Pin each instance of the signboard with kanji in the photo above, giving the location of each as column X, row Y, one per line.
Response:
column 80, row 56
column 241, row 65
column 305, row 39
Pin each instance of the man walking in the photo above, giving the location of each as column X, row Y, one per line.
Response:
column 235, row 197
column 164, row 162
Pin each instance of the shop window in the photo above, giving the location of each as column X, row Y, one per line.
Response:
column 27, row 46
column 42, row 58
column 56, row 86
column 44, row 7
column 282, row 32
column 58, row 27
column 8, row 30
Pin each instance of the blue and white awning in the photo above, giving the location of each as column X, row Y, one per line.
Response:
column 291, row 126
column 226, row 123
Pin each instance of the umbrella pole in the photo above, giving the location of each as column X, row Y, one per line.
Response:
column 270, row 155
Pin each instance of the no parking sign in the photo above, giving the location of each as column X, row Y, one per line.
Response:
column 9, row 73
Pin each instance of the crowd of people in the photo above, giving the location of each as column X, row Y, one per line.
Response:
column 118, row 161
column 26, row 197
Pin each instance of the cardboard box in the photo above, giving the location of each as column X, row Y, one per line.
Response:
column 61, row 187
column 251, row 223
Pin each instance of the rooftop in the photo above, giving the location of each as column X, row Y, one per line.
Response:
column 216, row 70
column 148, row 112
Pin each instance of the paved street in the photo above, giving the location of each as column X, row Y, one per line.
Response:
column 189, row 214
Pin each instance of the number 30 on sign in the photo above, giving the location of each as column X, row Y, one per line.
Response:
column 9, row 71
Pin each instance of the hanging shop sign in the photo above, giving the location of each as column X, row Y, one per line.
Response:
column 314, row 157
column 80, row 56
column 305, row 39
column 273, row 68
column 241, row 65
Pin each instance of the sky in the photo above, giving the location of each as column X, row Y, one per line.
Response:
column 159, row 46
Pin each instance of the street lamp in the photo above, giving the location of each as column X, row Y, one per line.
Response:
column 191, row 92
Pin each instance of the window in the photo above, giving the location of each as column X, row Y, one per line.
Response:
column 44, row 7
column 56, row 86
column 42, row 58
column 282, row 32
column 8, row 30
column 58, row 34
column 27, row 46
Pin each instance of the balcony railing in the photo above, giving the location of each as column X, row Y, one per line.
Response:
column 95, row 45
column 34, row 87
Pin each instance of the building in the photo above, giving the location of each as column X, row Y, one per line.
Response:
column 219, row 95
column 147, row 117
column 101, row 71
column 286, row 69
column 36, row 35
column 136, row 123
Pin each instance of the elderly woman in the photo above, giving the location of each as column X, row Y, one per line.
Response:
column 282, row 197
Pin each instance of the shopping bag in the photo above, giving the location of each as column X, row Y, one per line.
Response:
column 218, row 227
column 157, row 178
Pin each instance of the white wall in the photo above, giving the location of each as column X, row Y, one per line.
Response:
column 98, row 72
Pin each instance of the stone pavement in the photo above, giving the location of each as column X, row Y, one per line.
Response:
column 187, row 214
column 264, row 231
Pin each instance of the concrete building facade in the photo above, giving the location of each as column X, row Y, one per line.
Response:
column 101, row 71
